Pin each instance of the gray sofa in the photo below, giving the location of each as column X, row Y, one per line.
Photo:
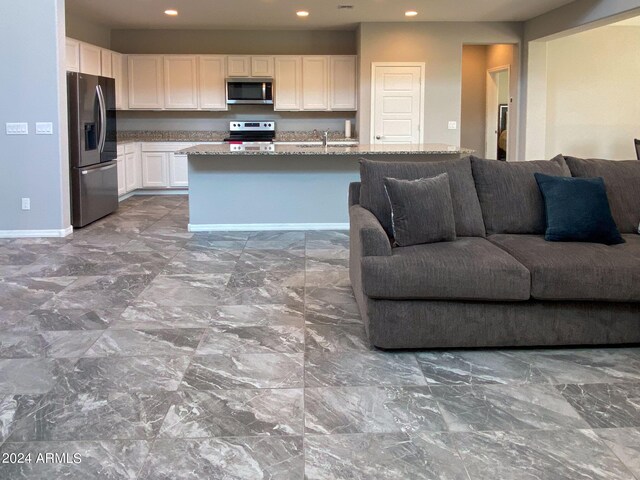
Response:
column 500, row 283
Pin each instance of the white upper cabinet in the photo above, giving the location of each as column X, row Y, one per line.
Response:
column 315, row 83
column 106, row 67
column 262, row 66
column 90, row 59
column 72, row 55
column 288, row 83
column 343, row 83
column 212, row 72
column 250, row 66
column 180, row 82
column 239, row 66
column 146, row 88
column 118, row 69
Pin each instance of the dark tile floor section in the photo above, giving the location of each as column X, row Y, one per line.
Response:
column 154, row 353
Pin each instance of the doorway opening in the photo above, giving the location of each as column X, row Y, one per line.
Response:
column 488, row 90
column 497, row 134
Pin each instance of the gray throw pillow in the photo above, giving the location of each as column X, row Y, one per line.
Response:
column 421, row 210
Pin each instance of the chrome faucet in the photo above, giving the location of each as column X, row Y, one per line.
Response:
column 325, row 138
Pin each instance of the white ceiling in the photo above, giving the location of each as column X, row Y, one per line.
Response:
column 272, row 14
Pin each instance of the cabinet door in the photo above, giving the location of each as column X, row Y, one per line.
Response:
column 178, row 170
column 72, row 55
column 154, row 170
column 288, row 80
column 146, row 90
column 180, row 82
column 90, row 59
column 117, row 71
column 132, row 169
column 122, row 176
column 239, row 66
column 262, row 66
column 343, row 83
column 106, row 68
column 315, row 83
column 212, row 74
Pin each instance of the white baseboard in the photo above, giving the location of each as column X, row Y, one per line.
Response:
column 36, row 233
column 259, row 227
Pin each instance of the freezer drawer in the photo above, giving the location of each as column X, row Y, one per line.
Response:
column 94, row 193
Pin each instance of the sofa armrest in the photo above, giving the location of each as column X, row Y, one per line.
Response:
column 354, row 194
column 367, row 235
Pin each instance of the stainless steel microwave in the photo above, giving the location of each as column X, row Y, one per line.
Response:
column 250, row 91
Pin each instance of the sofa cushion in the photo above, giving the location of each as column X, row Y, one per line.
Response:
column 466, row 207
column 421, row 210
column 577, row 210
column 509, row 195
column 622, row 179
column 576, row 271
column 466, row 269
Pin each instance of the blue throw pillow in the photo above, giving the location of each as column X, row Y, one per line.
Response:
column 577, row 210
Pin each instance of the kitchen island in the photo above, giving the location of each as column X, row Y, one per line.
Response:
column 285, row 187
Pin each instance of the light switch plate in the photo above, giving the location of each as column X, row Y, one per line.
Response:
column 17, row 128
column 453, row 125
column 44, row 128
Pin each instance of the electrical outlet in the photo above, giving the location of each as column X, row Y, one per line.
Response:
column 453, row 125
column 26, row 203
column 44, row 128
column 17, row 128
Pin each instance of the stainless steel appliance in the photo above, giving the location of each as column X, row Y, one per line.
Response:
column 255, row 133
column 92, row 147
column 250, row 91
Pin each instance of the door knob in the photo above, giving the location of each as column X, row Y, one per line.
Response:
column 378, row 137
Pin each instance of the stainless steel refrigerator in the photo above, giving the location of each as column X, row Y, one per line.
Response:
column 92, row 147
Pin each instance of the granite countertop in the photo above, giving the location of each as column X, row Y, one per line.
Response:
column 213, row 136
column 427, row 148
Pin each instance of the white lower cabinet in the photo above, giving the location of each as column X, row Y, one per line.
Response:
column 122, row 182
column 162, row 167
column 178, row 170
column 154, row 170
column 133, row 167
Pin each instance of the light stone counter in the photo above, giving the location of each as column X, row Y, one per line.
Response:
column 331, row 149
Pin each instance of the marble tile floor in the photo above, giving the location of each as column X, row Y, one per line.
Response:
column 154, row 353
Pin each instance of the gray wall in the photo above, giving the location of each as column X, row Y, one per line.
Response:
column 33, row 90
column 439, row 45
column 87, row 31
column 474, row 97
column 219, row 121
column 580, row 15
column 235, row 42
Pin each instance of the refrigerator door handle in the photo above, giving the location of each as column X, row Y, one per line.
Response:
column 103, row 119
column 109, row 167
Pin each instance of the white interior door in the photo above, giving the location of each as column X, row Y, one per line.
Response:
column 397, row 103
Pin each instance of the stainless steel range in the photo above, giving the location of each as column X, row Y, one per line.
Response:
column 255, row 133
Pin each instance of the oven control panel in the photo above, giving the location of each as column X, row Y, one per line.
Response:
column 263, row 126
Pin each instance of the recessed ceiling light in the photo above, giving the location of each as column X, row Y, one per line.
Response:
column 411, row 13
column 171, row 12
column 302, row 13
